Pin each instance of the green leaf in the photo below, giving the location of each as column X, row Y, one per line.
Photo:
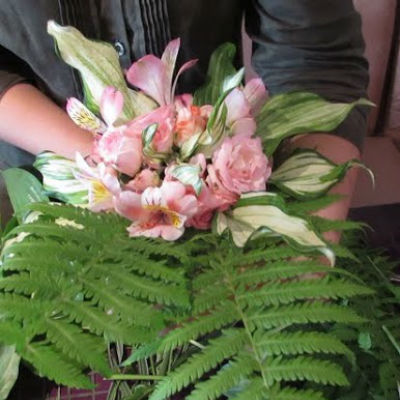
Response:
column 148, row 135
column 188, row 175
column 219, row 69
column 98, row 64
column 9, row 367
column 216, row 129
column 59, row 179
column 266, row 212
column 233, row 81
column 307, row 174
column 23, row 188
column 295, row 113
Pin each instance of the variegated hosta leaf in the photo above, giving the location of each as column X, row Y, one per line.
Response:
column 265, row 212
column 59, row 179
column 148, row 135
column 220, row 67
column 83, row 117
column 295, row 113
column 307, row 174
column 216, row 129
column 188, row 175
column 9, row 367
column 233, row 81
column 98, row 64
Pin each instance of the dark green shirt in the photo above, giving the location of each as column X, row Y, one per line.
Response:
column 311, row 45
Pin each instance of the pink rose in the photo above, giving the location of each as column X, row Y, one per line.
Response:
column 225, row 197
column 144, row 179
column 240, row 166
column 190, row 119
column 124, row 153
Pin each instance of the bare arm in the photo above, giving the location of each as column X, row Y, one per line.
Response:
column 29, row 120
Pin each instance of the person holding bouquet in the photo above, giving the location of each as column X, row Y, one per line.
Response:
column 302, row 45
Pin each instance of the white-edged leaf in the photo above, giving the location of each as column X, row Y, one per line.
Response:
column 216, row 129
column 220, row 67
column 9, row 368
column 307, row 174
column 295, row 113
column 59, row 179
column 188, row 175
column 265, row 211
column 233, row 81
column 98, row 64
column 148, row 135
column 23, row 188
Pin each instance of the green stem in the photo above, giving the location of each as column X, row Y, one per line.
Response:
column 239, row 309
column 128, row 377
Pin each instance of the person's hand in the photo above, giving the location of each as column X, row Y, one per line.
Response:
column 29, row 120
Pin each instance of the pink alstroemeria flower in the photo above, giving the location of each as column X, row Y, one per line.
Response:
column 243, row 105
column 154, row 76
column 166, row 210
column 190, row 119
column 102, row 184
column 111, row 105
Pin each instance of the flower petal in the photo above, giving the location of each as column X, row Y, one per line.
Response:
column 149, row 74
column 182, row 69
column 244, row 127
column 83, row 117
column 256, row 94
column 129, row 205
column 111, row 105
column 169, row 232
column 238, row 106
column 169, row 60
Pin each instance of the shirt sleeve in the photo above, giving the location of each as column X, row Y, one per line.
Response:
column 312, row 45
column 12, row 71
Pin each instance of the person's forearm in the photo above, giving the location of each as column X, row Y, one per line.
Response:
column 29, row 120
column 339, row 151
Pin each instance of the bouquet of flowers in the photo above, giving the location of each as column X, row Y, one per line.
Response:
column 179, row 238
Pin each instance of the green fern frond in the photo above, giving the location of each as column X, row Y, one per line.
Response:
column 54, row 365
column 288, row 393
column 272, row 253
column 125, row 307
column 142, row 287
column 304, row 369
column 255, row 389
column 313, row 205
column 265, row 272
column 326, row 225
column 311, row 312
column 218, row 350
column 221, row 317
column 12, row 334
column 288, row 292
column 228, row 376
column 297, row 343
column 86, row 349
column 101, row 323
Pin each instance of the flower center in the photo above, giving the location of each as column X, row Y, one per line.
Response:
column 166, row 215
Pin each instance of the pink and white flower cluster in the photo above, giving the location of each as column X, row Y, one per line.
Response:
column 132, row 164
